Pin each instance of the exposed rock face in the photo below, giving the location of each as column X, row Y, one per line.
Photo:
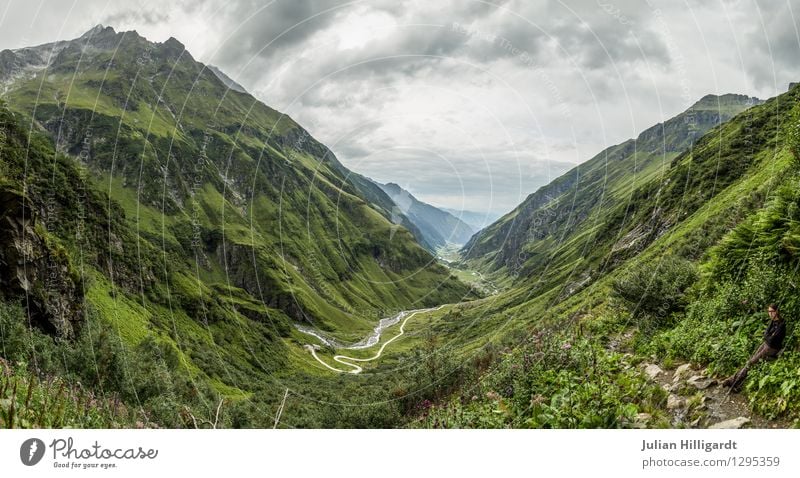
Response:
column 33, row 269
column 243, row 264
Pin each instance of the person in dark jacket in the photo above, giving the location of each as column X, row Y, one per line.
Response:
column 773, row 343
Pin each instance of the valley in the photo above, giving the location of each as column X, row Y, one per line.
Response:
column 172, row 248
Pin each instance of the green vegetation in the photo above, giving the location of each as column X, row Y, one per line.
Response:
column 177, row 231
column 653, row 293
column 680, row 270
column 173, row 232
column 553, row 381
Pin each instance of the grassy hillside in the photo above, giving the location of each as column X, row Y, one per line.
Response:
column 163, row 236
column 556, row 227
column 177, row 231
column 679, row 271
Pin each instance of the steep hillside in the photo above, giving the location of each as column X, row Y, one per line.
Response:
column 438, row 227
column 555, row 226
column 680, row 272
column 164, row 233
column 207, row 172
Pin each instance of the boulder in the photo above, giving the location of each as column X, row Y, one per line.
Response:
column 681, row 372
column 701, row 383
column 675, row 402
column 733, row 423
column 642, row 420
column 652, row 370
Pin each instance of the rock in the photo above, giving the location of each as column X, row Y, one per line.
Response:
column 33, row 269
column 733, row 423
column 642, row 420
column 701, row 383
column 674, row 402
column 653, row 371
column 681, row 372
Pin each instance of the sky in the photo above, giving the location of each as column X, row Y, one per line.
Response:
column 467, row 104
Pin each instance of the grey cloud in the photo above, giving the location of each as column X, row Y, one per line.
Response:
column 136, row 16
column 600, row 34
column 607, row 60
column 776, row 56
column 270, row 31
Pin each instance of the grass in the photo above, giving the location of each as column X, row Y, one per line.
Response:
column 27, row 401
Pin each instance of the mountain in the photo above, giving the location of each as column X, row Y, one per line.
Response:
column 475, row 220
column 438, row 227
column 226, row 79
column 625, row 272
column 164, row 238
column 187, row 225
column 559, row 220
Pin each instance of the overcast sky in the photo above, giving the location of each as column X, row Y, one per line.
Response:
column 467, row 104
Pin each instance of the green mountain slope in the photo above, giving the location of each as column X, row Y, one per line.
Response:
column 564, row 215
column 680, row 270
column 214, row 174
column 185, row 224
column 438, row 227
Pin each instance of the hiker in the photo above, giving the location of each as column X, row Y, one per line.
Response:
column 773, row 343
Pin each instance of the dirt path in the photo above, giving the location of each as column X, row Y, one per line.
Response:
column 699, row 401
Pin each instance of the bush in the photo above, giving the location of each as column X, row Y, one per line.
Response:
column 774, row 387
column 793, row 136
column 554, row 382
column 725, row 324
column 148, row 377
column 653, row 292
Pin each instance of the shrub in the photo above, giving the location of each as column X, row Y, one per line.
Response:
column 774, row 387
column 793, row 136
column 725, row 324
column 554, row 382
column 653, row 292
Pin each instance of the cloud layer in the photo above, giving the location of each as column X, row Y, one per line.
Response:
column 468, row 104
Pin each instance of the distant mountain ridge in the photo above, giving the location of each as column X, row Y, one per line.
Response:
column 229, row 82
column 438, row 227
column 476, row 220
column 559, row 213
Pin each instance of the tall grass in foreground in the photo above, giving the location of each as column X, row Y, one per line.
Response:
column 27, row 401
